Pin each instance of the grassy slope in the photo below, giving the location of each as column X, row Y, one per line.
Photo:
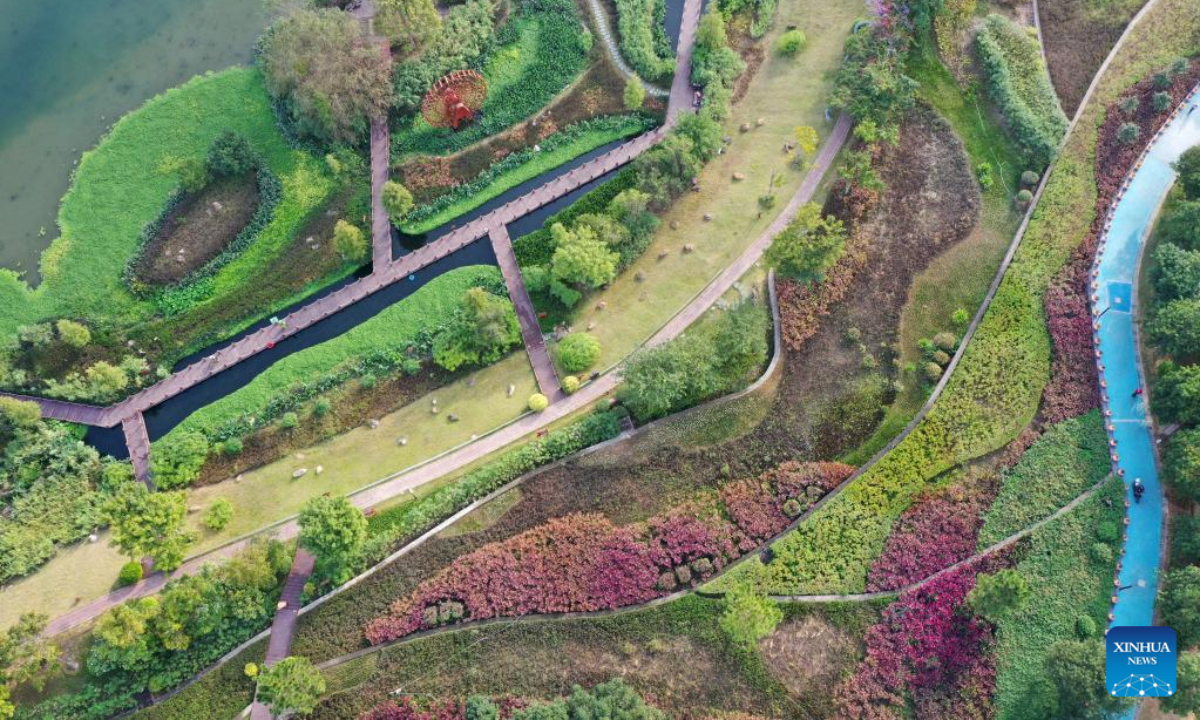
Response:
column 120, row 186
column 1067, row 583
column 995, row 391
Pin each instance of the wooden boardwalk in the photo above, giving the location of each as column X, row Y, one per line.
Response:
column 531, row 332
column 137, row 439
column 283, row 627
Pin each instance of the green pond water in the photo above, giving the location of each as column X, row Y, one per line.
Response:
column 70, row 68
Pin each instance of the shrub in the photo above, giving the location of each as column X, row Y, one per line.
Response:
column 945, row 341
column 1024, row 197
column 932, row 372
column 578, row 352
column 1018, row 81
column 1029, row 178
column 397, row 201
column 350, row 241
column 635, row 93
column 289, row 421
column 983, row 171
column 231, row 155
column 1129, row 105
column 570, row 384
column 73, row 334
column 177, row 459
column 870, row 84
column 131, row 573
column 791, row 43
column 1162, row 101
column 218, row 514
column 368, row 381
column 809, row 246
column 749, row 615
column 1129, row 132
column 538, row 402
column 322, row 407
column 231, row 447
column 998, row 594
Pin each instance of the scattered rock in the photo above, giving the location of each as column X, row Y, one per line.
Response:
column 727, row 139
column 372, row 423
column 674, row 224
column 760, row 122
column 591, row 326
column 433, row 401
column 452, row 418
column 193, row 509
column 690, row 248
column 511, row 389
column 240, row 477
column 640, row 276
column 433, row 410
column 663, row 255
column 745, row 127
column 708, row 217
column 217, row 206
column 93, row 538
column 602, row 304
column 300, row 473
column 402, row 441
column 129, row 343
column 738, row 177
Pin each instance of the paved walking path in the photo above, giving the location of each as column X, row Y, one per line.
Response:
column 283, row 628
column 531, row 332
column 138, row 441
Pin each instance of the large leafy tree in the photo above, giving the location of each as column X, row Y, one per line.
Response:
column 333, row 530
column 484, row 327
column 870, row 83
column 1075, row 669
column 149, row 524
column 1181, row 604
column 1177, row 395
column 1181, row 463
column 1176, row 327
column 26, row 656
column 809, row 246
column 580, row 258
column 1187, row 686
column 1177, row 273
column 328, row 78
column 1188, row 167
column 292, row 685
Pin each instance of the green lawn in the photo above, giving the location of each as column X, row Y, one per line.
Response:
column 123, row 184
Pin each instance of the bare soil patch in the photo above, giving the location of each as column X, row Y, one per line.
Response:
column 197, row 229
column 1078, row 35
column 808, row 654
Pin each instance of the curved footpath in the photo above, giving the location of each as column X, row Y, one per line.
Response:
column 1115, row 332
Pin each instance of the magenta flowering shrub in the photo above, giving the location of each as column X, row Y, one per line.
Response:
column 406, row 709
column 581, row 563
column 930, row 648
column 1073, row 388
column 936, row 532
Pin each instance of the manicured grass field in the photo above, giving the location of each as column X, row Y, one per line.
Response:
column 124, row 182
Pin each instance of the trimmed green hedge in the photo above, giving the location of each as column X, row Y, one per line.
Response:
column 125, row 182
column 1071, row 457
column 378, row 343
column 560, row 148
column 1019, row 83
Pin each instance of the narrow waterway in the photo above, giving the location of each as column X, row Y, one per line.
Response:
column 70, row 68
column 1126, row 413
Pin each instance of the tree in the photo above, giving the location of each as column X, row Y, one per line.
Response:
column 178, row 458
column 995, row 596
column 26, row 656
column 408, row 24
column 329, row 81
column 806, row 144
column 1177, row 272
column 1075, row 669
column 749, row 615
column 18, row 415
column 350, row 242
column 1188, row 168
column 1181, row 604
column 870, row 83
column 397, row 200
column 578, row 352
column 73, row 334
column 149, row 524
column 292, row 685
column 1176, row 327
column 580, row 258
column 218, row 514
column 791, row 43
column 106, row 380
column 1187, row 686
column 230, row 155
column 1180, row 225
column 1177, row 395
column 809, row 246
column 484, row 327
column 665, row 171
column 631, row 208
column 335, row 531
column 635, row 93
column 124, row 633
column 1181, row 463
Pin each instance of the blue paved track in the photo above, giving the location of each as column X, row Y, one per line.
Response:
column 1116, row 263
